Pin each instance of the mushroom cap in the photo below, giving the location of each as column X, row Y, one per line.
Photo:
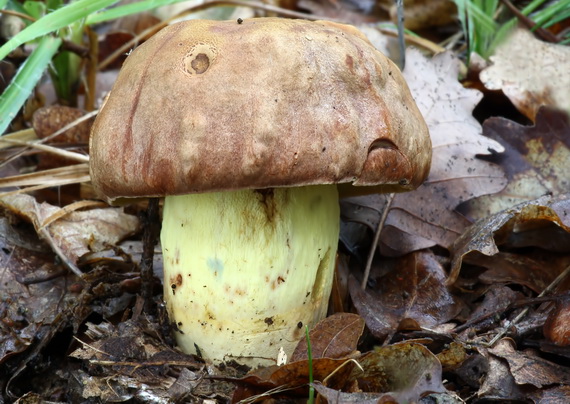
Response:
column 206, row 106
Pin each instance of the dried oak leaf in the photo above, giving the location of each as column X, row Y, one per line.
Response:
column 293, row 378
column 530, row 72
column 401, row 373
column 530, row 369
column 34, row 292
column 426, row 216
column 412, row 287
column 546, row 212
column 334, row 337
column 535, row 160
column 75, row 233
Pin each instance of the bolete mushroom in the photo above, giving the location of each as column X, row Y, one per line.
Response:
column 247, row 128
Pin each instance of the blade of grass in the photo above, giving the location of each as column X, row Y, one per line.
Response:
column 128, row 9
column 25, row 80
column 555, row 11
column 53, row 21
column 311, row 399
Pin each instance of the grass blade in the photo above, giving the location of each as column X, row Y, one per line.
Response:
column 128, row 9
column 53, row 21
column 25, row 80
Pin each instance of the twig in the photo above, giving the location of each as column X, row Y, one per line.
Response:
column 530, row 24
column 518, row 318
column 375, row 241
column 81, row 158
column 18, row 14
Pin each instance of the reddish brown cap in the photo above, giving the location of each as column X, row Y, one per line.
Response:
column 220, row 105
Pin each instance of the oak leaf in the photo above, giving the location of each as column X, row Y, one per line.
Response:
column 426, row 217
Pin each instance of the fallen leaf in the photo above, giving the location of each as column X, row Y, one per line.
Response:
column 535, row 160
column 499, row 383
column 334, row 337
column 426, row 216
column 421, row 14
column 403, row 371
column 48, row 120
column 409, row 287
column 530, row 369
column 75, row 233
column 407, row 371
column 535, row 269
column 545, row 211
column 530, row 72
column 293, row 378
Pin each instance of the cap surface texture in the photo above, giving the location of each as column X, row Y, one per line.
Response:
column 207, row 106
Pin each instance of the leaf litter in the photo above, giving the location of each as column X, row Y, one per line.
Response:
column 468, row 266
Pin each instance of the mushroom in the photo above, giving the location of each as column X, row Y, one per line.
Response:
column 250, row 129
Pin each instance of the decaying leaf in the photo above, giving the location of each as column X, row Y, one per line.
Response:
column 410, row 287
column 535, row 160
column 403, row 372
column 547, row 211
column 333, row 337
column 407, row 371
column 426, row 217
column 49, row 120
column 535, row 269
column 530, row 369
column 34, row 290
column 530, row 72
column 421, row 14
column 76, row 233
column 499, row 382
column 293, row 377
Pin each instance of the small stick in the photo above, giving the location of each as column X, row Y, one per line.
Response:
column 375, row 241
column 518, row 318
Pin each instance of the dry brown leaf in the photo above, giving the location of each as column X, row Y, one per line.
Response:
column 404, row 371
column 426, row 217
column 421, row 14
column 530, row 72
column 48, row 120
column 499, row 382
column 76, row 233
column 293, row 378
column 407, row 371
column 413, row 287
column 535, row 160
column 334, row 337
column 530, row 369
column 546, row 211
column 535, row 269
column 32, row 289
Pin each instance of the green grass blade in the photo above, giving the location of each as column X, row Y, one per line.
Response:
column 311, row 399
column 128, row 9
column 54, row 21
column 25, row 80
column 544, row 17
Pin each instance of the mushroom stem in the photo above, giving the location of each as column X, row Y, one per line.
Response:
column 245, row 271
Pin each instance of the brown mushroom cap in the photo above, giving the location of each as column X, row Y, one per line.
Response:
column 207, row 106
